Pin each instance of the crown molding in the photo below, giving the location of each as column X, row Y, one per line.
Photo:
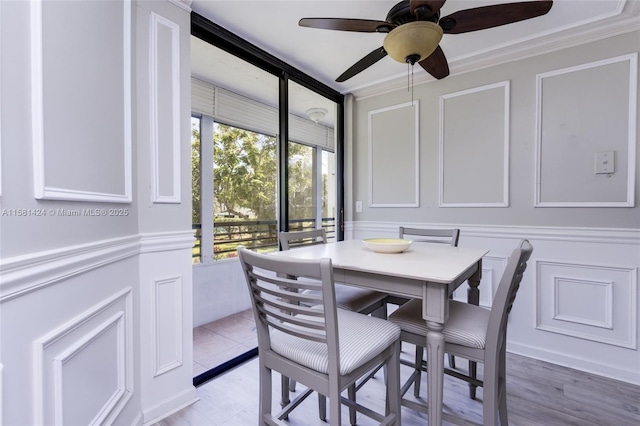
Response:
column 182, row 4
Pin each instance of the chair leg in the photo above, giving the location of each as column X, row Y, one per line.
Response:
column 394, row 398
column 351, row 394
column 502, row 389
column 292, row 385
column 418, row 370
column 284, row 393
column 322, row 407
column 452, row 361
column 265, row 393
column 473, row 373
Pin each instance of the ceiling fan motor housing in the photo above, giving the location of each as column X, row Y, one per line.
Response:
column 411, row 40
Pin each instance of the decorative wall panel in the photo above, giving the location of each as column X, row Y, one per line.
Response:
column 594, row 302
column 65, row 361
column 394, row 156
column 165, row 109
column 584, row 112
column 492, row 269
column 81, row 104
column 167, row 324
column 474, row 147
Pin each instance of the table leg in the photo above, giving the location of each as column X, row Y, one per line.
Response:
column 435, row 361
column 473, row 298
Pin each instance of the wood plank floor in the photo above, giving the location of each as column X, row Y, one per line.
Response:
column 539, row 393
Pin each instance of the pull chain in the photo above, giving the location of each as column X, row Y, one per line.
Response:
column 412, row 85
column 408, row 65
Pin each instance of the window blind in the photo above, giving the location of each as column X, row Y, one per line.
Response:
column 240, row 111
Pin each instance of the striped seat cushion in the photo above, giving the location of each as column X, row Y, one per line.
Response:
column 466, row 326
column 361, row 338
column 353, row 298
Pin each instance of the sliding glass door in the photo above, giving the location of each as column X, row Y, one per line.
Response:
column 266, row 157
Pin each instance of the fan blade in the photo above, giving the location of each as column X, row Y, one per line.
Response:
column 359, row 25
column 436, row 64
column 363, row 64
column 480, row 18
column 433, row 5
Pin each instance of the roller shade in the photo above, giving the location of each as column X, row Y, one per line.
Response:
column 239, row 111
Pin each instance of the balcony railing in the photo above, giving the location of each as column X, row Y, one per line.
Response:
column 259, row 235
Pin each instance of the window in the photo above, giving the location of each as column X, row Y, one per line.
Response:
column 244, row 191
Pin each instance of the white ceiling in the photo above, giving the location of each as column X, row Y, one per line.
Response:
column 324, row 54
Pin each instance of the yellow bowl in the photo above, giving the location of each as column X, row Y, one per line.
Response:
column 387, row 245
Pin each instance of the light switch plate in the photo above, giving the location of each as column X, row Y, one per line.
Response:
column 358, row 206
column 605, row 162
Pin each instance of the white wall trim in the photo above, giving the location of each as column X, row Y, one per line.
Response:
column 505, row 85
column 123, row 319
column 557, row 315
column 416, row 159
column 548, row 233
column 26, row 273
column 183, row 4
column 166, row 408
column 34, row 271
column 612, row 370
column 41, row 189
column 631, row 134
column 176, row 286
column 166, row 241
column 65, row 356
column 629, row 341
column 157, row 197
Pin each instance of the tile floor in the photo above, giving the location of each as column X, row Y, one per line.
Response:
column 222, row 340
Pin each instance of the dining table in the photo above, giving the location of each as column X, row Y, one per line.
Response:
column 430, row 272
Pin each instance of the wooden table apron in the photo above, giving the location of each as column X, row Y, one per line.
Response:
column 430, row 272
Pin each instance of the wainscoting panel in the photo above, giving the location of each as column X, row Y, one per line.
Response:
column 66, row 363
column 165, row 109
column 484, row 139
column 583, row 111
column 394, row 156
column 578, row 301
column 168, row 324
column 592, row 302
column 81, row 158
column 165, row 322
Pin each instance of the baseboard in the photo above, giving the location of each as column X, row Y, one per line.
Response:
column 171, row 406
column 577, row 363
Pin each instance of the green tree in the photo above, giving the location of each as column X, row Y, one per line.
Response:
column 244, row 173
column 195, row 171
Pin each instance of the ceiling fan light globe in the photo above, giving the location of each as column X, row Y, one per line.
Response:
column 414, row 38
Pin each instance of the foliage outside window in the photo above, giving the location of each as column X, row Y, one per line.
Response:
column 245, row 189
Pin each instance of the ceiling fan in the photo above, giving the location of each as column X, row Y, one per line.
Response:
column 414, row 29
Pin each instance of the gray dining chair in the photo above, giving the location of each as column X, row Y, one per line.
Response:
column 431, row 236
column 347, row 297
column 474, row 333
column 322, row 347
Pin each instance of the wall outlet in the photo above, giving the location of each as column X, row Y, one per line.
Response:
column 605, row 162
column 358, row 206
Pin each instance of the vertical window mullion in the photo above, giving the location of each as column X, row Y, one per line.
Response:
column 317, row 168
column 206, row 191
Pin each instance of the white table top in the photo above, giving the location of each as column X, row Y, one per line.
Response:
column 429, row 262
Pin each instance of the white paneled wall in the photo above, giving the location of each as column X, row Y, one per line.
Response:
column 578, row 301
column 95, row 294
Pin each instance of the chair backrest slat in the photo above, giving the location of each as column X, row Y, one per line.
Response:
column 290, row 240
column 299, row 332
column 275, row 283
column 434, row 236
